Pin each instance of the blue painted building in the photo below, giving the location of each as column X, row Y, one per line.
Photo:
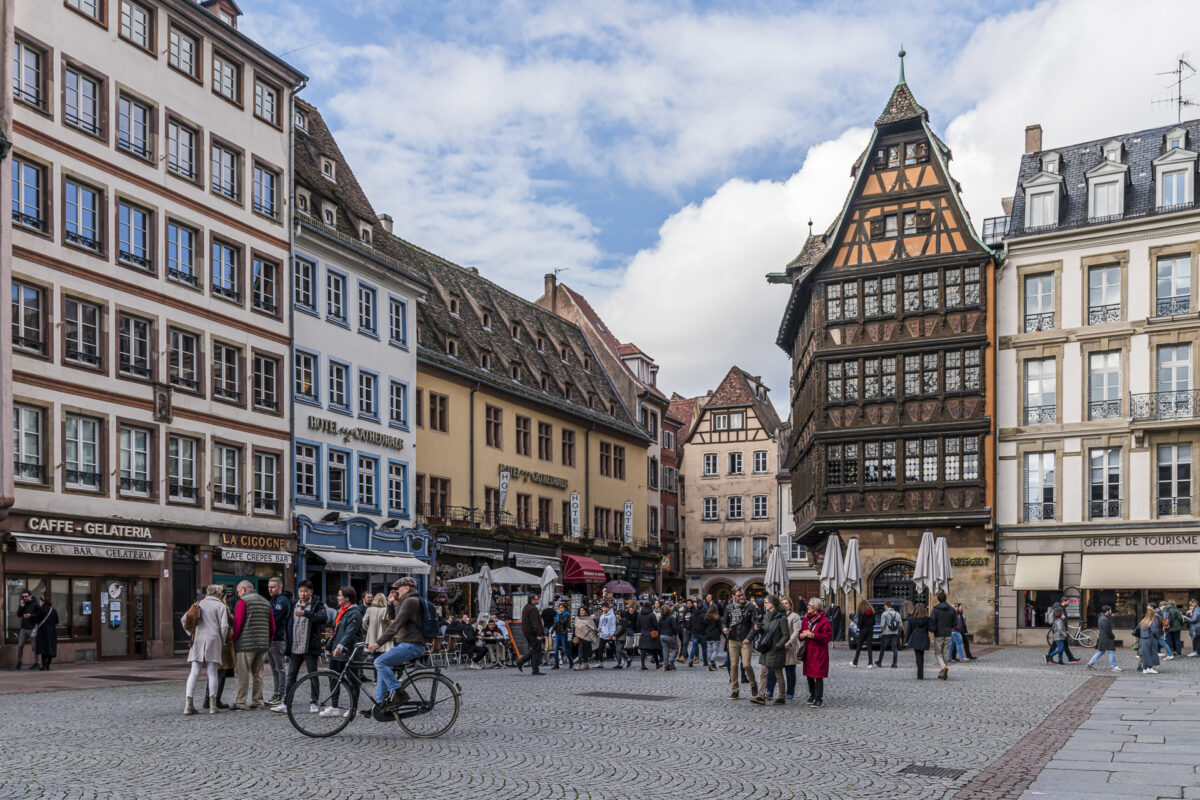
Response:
column 356, row 552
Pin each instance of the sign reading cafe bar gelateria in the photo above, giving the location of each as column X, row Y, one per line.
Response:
column 356, row 434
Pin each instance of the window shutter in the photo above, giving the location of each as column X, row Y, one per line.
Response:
column 924, row 221
column 877, row 228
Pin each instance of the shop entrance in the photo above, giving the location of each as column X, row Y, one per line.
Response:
column 183, row 593
column 123, row 618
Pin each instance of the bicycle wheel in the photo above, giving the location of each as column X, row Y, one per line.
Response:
column 336, row 702
column 1088, row 637
column 1050, row 638
column 423, row 688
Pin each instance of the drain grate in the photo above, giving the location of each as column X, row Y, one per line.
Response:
column 127, row 678
column 932, row 772
column 653, row 698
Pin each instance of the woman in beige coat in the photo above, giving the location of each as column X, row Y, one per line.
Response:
column 584, row 629
column 793, row 645
column 205, row 652
column 375, row 621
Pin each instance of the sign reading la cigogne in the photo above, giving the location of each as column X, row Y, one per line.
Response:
column 535, row 477
column 1140, row 541
column 254, row 540
column 357, row 434
column 73, row 527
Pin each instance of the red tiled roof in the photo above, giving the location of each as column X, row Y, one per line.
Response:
column 737, row 389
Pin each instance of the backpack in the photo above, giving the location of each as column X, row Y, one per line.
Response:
column 429, row 620
column 891, row 622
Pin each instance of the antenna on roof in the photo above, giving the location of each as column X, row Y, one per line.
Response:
column 1183, row 71
column 560, row 269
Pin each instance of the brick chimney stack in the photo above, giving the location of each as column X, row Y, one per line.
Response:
column 1033, row 138
column 552, row 291
column 385, row 221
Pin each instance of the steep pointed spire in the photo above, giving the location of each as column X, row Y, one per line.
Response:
column 902, row 105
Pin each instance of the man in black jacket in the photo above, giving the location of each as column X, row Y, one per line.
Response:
column 281, row 610
column 942, row 620
column 347, row 632
column 738, row 626
column 304, row 624
column 531, row 626
column 28, row 612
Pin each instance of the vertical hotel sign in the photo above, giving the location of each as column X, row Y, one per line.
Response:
column 628, row 522
column 575, row 527
column 505, row 476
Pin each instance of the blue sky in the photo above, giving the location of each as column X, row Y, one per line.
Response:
column 669, row 154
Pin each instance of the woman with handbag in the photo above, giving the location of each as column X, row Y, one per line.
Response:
column 917, row 636
column 585, row 635
column 865, row 620
column 668, row 635
column 772, row 651
column 227, row 657
column 815, row 634
column 647, row 628
column 45, row 633
column 208, row 624
column 1149, row 630
column 793, row 644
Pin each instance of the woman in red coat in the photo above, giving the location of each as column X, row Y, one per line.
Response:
column 816, row 631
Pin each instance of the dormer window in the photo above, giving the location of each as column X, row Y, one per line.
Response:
column 487, row 320
column 1112, row 151
column 454, row 305
column 541, row 344
column 587, row 363
column 564, row 353
column 1106, row 185
column 1051, row 162
column 452, row 348
column 364, row 234
column 301, row 121
column 1175, row 173
column 568, row 390
column 1106, row 200
column 514, row 371
column 485, row 360
column 1042, row 194
column 328, row 169
column 545, row 382
column 302, row 201
column 329, row 215
column 1041, row 209
column 591, row 400
column 516, row 332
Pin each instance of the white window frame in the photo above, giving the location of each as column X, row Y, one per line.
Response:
column 710, row 464
column 181, row 149
column 397, row 489
column 134, row 444
column 1173, row 469
column 307, row 472
column 81, row 438
column 759, row 506
column 135, row 345
column 304, row 372
column 81, row 329
column 760, row 462
column 710, row 508
column 266, row 480
column 368, row 394
column 368, row 482
column 1104, row 384
column 226, row 77
column 733, row 507
column 366, row 309
column 338, row 461
column 1039, row 487
column 397, row 322
column 134, row 124
column 28, row 442
column 303, row 277
column 181, row 468
column 266, row 102
column 81, row 101
column 736, row 463
column 184, row 361
column 266, row 382
column 181, row 49
column 339, row 379
column 226, row 479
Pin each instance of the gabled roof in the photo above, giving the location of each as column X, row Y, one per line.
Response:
column 901, row 106
column 1140, row 149
column 311, row 143
column 610, row 341
column 738, row 389
column 569, row 385
column 685, row 410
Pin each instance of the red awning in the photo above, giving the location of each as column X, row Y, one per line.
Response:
column 581, row 569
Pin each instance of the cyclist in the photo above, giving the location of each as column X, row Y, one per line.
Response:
column 406, row 631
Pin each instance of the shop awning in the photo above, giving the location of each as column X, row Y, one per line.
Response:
column 1140, row 571
column 1039, row 573
column 581, row 569
column 465, row 550
column 36, row 544
column 365, row 561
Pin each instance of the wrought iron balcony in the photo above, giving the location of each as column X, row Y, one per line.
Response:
column 188, row 277
column 130, row 368
column 1171, row 306
column 82, row 241
column 86, row 356
column 1104, row 409
column 133, row 146
column 263, row 502
column 29, row 471
column 227, row 394
column 1040, row 415
column 269, row 403
column 1037, row 512
column 710, row 563
column 134, row 259
column 27, row 220
column 179, row 491
column 1104, row 509
column 29, row 343
column 88, row 125
column 191, row 384
column 135, row 485
column 227, row 291
column 1174, row 506
column 1151, row 406
column 228, row 499
column 83, row 479
column 263, row 303
column 1039, row 322
column 1098, row 315
column 181, row 168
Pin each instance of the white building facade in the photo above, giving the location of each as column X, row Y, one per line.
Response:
column 1098, row 419
column 150, row 336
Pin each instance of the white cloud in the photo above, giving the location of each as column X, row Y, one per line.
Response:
column 698, row 301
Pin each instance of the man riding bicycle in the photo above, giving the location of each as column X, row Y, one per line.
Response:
column 410, row 644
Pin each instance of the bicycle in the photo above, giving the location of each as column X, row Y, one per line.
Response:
column 429, row 708
column 1084, row 637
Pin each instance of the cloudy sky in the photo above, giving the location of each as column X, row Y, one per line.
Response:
column 669, row 154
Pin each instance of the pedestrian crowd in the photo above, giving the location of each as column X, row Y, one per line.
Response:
column 1157, row 636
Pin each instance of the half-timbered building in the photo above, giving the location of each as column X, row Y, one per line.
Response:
column 888, row 329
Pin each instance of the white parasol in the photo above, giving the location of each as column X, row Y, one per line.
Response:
column 852, row 578
column 776, row 578
column 831, row 570
column 943, row 573
column 923, row 569
column 549, row 581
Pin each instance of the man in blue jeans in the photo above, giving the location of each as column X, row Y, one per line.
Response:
column 409, row 645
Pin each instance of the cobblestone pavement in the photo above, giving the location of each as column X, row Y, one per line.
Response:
column 524, row 737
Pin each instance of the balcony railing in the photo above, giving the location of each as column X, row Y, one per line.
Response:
column 137, row 370
column 1039, row 322
column 191, row 384
column 29, row 471
column 1098, row 315
column 264, row 502
column 1181, row 404
column 710, row 563
column 227, row 499
column 82, row 241
column 83, row 479
column 227, row 394
column 133, row 258
column 88, row 356
column 29, row 343
column 188, row 277
column 226, row 291
column 1104, row 409
column 1174, row 506
column 1040, row 415
column 994, row 230
column 182, row 492
column 734, row 563
column 139, row 486
column 1172, row 306
column 1037, row 512
column 27, row 220
column 1104, row 509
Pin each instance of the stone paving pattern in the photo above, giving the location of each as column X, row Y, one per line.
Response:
column 523, row 737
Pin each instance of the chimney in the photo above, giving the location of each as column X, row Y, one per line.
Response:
column 1006, row 204
column 385, row 220
column 552, row 291
column 1033, row 138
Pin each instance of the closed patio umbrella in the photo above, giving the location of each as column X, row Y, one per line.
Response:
column 943, row 572
column 549, row 581
column 923, row 569
column 776, row 578
column 485, row 591
column 852, row 579
column 831, row 570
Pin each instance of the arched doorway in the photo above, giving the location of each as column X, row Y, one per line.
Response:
column 755, row 590
column 895, row 579
column 720, row 590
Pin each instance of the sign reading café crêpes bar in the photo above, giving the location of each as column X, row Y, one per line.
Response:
column 71, row 527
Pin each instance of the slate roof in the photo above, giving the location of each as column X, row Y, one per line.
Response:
column 901, row 106
column 311, row 143
column 610, row 340
column 1138, row 150
column 736, row 390
column 475, row 295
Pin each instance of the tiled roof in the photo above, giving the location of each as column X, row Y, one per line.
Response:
column 900, row 107
column 1138, row 150
column 610, row 341
column 738, row 389
column 684, row 410
column 311, row 143
column 475, row 296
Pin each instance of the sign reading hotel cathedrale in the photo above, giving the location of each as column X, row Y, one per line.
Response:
column 367, row 435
